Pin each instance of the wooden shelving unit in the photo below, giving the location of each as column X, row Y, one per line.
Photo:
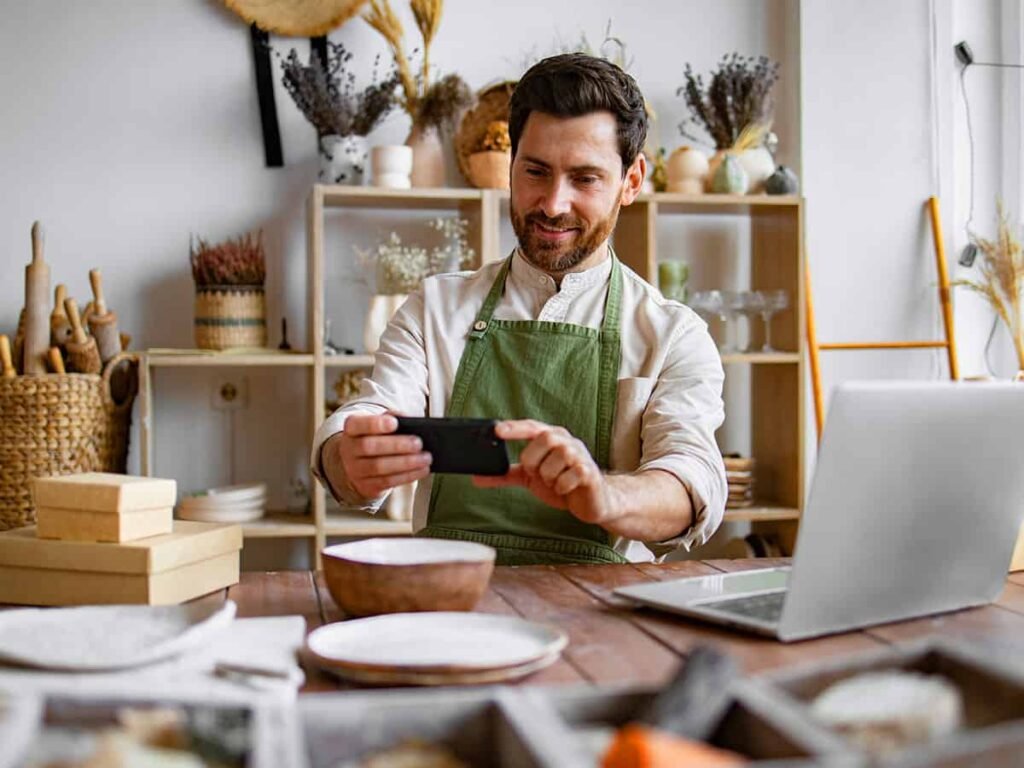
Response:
column 776, row 409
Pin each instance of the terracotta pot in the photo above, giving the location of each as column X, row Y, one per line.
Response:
column 428, row 162
column 490, row 170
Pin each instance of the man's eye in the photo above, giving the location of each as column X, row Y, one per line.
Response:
column 586, row 181
column 536, row 172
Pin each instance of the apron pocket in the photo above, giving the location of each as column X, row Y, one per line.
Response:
column 631, row 400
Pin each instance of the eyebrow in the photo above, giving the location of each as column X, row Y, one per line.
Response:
column 594, row 169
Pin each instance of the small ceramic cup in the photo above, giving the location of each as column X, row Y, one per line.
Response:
column 391, row 164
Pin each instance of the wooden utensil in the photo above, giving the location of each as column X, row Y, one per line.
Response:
column 60, row 328
column 5, row 357
column 103, row 322
column 19, row 342
column 55, row 360
column 37, row 297
column 83, row 356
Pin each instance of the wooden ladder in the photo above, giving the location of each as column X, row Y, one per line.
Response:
column 949, row 344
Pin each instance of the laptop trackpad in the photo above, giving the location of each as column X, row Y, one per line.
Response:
column 700, row 588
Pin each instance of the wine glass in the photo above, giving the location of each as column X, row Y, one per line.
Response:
column 709, row 304
column 773, row 301
column 746, row 304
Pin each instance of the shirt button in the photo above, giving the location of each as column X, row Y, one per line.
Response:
column 479, row 325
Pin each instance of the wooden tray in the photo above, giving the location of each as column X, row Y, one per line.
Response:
column 993, row 698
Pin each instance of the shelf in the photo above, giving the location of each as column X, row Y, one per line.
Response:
column 761, row 513
column 403, row 199
column 673, row 202
column 339, row 523
column 280, row 525
column 762, row 358
column 200, row 358
column 348, row 362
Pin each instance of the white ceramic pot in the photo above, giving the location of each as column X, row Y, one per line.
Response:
column 382, row 307
column 687, row 186
column 759, row 165
column 393, row 181
column 343, row 159
column 392, row 165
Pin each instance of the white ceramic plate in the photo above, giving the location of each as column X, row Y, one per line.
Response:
column 239, row 507
column 414, row 677
column 100, row 637
column 441, row 642
column 392, row 551
column 231, row 493
column 244, row 515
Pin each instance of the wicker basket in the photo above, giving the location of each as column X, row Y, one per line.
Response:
column 60, row 424
column 228, row 317
column 492, row 104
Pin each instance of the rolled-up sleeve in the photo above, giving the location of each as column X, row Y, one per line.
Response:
column 398, row 384
column 678, row 430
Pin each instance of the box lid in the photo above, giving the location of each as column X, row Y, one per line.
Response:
column 190, row 542
column 104, row 492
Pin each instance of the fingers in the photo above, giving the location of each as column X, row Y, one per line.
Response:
column 520, row 429
column 385, row 445
column 361, row 424
column 375, row 486
column 385, row 466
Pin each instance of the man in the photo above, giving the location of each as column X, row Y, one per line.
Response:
column 612, row 392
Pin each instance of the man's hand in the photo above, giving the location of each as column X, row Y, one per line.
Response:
column 371, row 458
column 555, row 467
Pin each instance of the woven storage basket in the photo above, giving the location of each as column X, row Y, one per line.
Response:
column 60, row 424
column 230, row 316
column 492, row 104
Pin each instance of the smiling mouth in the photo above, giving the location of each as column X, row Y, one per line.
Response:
column 552, row 232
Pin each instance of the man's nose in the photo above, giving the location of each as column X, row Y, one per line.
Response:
column 557, row 199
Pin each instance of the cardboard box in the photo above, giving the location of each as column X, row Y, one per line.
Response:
column 104, row 492
column 194, row 560
column 87, row 525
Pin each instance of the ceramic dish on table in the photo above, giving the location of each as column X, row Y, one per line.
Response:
column 435, row 648
column 228, row 504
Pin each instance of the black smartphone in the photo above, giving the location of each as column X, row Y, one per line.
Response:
column 459, row 446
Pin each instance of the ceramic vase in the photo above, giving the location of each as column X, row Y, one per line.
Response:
column 730, row 178
column 382, row 307
column 782, row 182
column 687, row 171
column 489, row 170
column 342, row 159
column 392, row 166
column 428, row 162
column 759, row 165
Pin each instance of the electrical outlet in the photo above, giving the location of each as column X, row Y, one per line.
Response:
column 230, row 394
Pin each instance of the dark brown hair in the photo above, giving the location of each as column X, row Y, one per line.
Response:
column 575, row 84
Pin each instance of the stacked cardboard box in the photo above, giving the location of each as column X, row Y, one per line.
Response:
column 103, row 538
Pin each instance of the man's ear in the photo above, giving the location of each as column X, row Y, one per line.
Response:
column 634, row 182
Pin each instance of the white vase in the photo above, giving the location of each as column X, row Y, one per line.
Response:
column 427, row 157
column 759, row 165
column 382, row 307
column 343, row 159
column 391, row 165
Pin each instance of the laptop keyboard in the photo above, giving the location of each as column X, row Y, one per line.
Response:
column 764, row 607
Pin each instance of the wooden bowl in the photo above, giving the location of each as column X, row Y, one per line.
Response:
column 376, row 576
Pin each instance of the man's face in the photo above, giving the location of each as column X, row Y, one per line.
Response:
column 567, row 186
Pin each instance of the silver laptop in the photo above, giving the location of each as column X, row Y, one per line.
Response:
column 917, row 498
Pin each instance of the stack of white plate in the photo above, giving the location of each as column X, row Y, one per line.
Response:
column 228, row 504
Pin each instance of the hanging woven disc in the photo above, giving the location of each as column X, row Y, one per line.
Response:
column 296, row 18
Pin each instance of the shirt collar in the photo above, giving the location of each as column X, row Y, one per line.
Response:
column 572, row 284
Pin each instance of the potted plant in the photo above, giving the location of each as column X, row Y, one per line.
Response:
column 230, row 308
column 1002, row 281
column 342, row 114
column 737, row 103
column 432, row 105
column 489, row 166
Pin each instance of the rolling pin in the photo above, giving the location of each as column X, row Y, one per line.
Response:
column 60, row 328
column 83, row 357
column 37, row 297
column 5, row 357
column 19, row 341
column 55, row 360
column 103, row 322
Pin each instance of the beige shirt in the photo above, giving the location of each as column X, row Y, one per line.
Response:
column 669, row 391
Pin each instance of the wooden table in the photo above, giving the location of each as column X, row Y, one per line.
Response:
column 613, row 643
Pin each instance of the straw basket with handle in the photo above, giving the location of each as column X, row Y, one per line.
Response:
column 59, row 424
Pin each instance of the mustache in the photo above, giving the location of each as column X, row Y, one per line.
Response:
column 559, row 222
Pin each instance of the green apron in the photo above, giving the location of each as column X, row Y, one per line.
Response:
column 557, row 373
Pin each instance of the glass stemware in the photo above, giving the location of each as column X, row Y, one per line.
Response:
column 710, row 304
column 773, row 301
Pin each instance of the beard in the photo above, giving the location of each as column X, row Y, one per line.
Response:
column 559, row 258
